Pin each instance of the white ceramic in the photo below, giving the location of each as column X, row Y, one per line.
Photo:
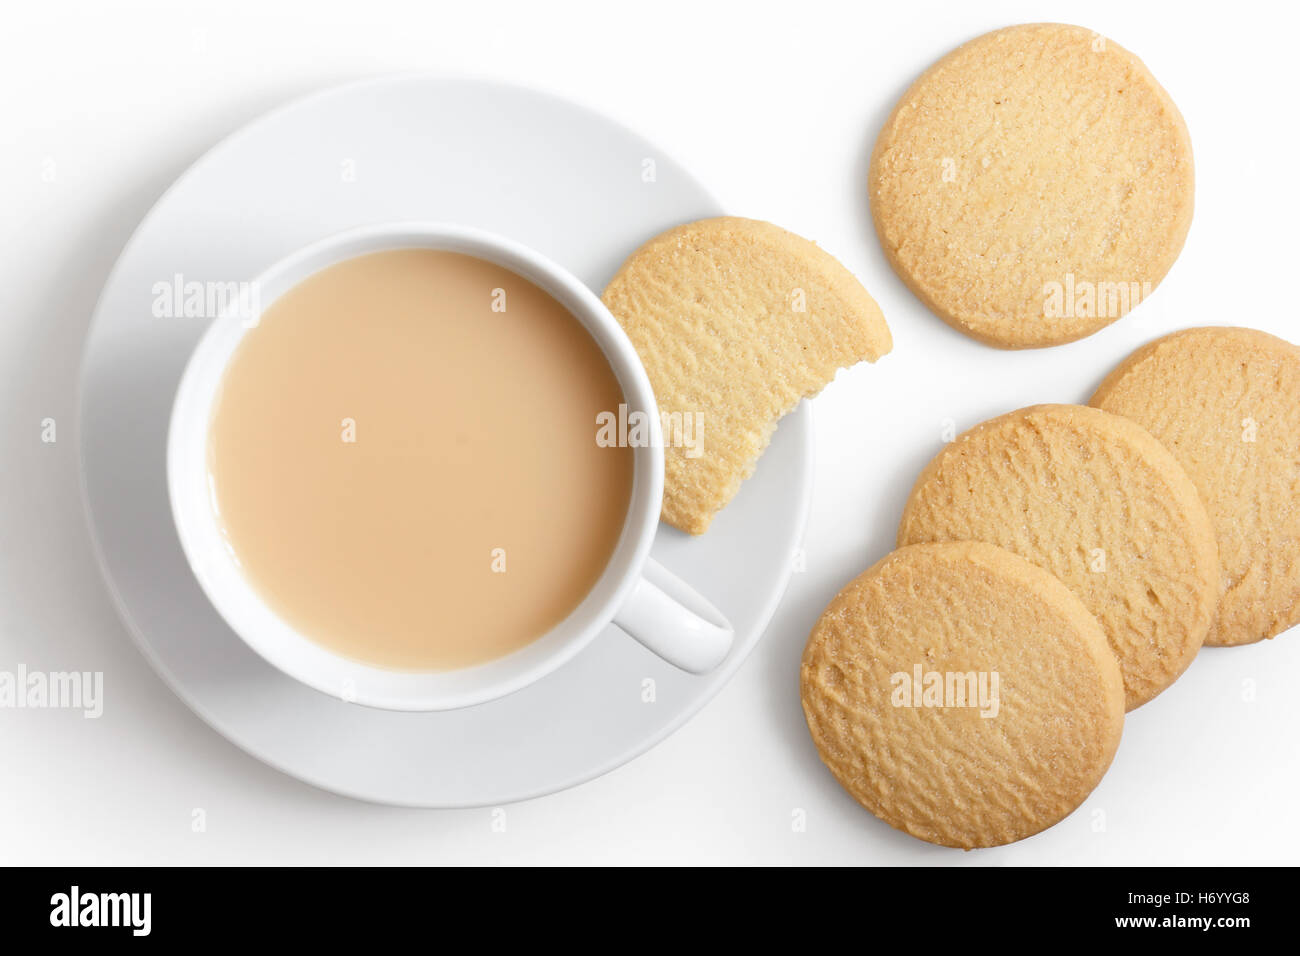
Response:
column 651, row 604
column 556, row 177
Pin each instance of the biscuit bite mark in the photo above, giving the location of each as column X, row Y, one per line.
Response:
column 736, row 321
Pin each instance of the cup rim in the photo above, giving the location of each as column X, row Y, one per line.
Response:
column 234, row 597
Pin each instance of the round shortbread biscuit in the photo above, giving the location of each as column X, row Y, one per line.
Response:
column 1049, row 701
column 1095, row 500
column 1033, row 185
column 736, row 321
column 1226, row 403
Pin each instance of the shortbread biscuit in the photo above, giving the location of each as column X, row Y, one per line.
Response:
column 736, row 320
column 1001, row 633
column 1226, row 403
column 1095, row 500
column 1033, row 185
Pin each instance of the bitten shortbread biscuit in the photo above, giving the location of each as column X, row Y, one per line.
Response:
column 1226, row 403
column 1033, row 185
column 962, row 694
column 736, row 320
column 1095, row 500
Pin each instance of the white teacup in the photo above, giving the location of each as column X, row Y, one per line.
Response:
column 634, row 592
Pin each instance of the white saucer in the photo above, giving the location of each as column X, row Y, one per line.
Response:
column 557, row 177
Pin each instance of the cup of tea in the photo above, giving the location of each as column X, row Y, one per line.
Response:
column 419, row 466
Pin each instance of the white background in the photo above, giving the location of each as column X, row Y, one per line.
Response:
column 775, row 107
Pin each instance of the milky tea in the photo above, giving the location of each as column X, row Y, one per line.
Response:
column 404, row 460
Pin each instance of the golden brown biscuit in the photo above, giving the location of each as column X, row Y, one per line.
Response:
column 924, row 760
column 1033, row 185
column 1226, row 403
column 1096, row 501
column 736, row 320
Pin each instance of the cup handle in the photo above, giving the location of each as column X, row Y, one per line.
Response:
column 668, row 617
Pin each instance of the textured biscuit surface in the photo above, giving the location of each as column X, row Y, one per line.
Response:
column 736, row 320
column 946, row 774
column 1226, row 403
column 1035, row 160
column 1095, row 500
